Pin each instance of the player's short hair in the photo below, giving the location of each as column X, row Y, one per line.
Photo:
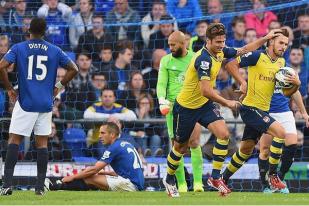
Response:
column 38, row 26
column 283, row 31
column 112, row 128
column 215, row 29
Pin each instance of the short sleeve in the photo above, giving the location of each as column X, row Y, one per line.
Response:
column 229, row 52
column 64, row 59
column 10, row 56
column 109, row 154
column 203, row 66
column 249, row 59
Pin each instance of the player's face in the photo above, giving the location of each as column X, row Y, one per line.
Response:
column 105, row 136
column 217, row 44
column 108, row 98
column 175, row 48
column 296, row 56
column 280, row 45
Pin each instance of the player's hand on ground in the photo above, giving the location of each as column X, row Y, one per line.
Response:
column 293, row 79
column 233, row 105
column 164, row 106
column 67, row 179
column 273, row 33
column 12, row 95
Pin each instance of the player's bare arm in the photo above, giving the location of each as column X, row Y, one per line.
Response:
column 258, row 43
column 89, row 171
column 210, row 93
column 5, row 79
column 232, row 67
column 72, row 70
column 294, row 79
column 300, row 104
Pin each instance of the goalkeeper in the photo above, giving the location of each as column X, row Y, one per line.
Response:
column 170, row 80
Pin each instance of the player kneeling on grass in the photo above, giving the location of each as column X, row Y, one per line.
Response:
column 262, row 68
column 120, row 155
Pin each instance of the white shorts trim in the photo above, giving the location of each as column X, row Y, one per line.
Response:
column 118, row 183
column 287, row 120
column 22, row 122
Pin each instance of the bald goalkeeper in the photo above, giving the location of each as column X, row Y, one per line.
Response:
column 172, row 71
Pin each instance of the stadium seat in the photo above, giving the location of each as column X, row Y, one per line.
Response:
column 75, row 139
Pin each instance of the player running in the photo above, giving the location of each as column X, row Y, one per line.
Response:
column 262, row 67
column 195, row 104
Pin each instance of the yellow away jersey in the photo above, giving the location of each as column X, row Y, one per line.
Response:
column 261, row 78
column 202, row 66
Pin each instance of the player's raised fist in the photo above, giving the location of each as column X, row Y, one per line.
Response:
column 164, row 106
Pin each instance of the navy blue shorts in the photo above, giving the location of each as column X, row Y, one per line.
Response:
column 257, row 122
column 185, row 119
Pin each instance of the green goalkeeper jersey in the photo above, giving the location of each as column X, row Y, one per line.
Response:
column 171, row 75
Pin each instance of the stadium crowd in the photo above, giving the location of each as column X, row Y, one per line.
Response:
column 119, row 63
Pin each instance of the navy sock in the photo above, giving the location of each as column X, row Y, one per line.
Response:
column 263, row 169
column 287, row 159
column 42, row 161
column 10, row 162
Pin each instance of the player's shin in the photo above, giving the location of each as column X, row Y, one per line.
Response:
column 197, row 165
column 180, row 176
column 220, row 150
column 173, row 160
column 42, row 161
column 238, row 159
column 263, row 169
column 10, row 162
column 287, row 157
column 275, row 154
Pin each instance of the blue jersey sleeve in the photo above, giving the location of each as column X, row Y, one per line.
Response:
column 109, row 154
column 64, row 59
column 10, row 56
column 229, row 52
column 203, row 66
column 249, row 59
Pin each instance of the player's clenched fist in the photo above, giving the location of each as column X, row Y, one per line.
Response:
column 164, row 106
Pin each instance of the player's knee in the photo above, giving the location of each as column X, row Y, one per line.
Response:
column 194, row 143
column 181, row 148
column 224, row 134
column 246, row 150
column 264, row 152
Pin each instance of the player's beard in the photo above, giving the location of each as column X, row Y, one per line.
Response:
column 278, row 53
column 177, row 53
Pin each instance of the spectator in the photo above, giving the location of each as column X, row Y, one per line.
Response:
column 4, row 45
column 259, row 20
column 301, row 35
column 150, row 74
column 197, row 42
column 122, row 13
column 250, row 36
column 239, row 28
column 57, row 15
column 159, row 40
column 275, row 24
column 214, row 7
column 103, row 6
column 79, row 94
column 81, row 22
column 157, row 11
column 296, row 59
column 120, row 69
column 181, row 9
column 135, row 88
column 147, row 135
column 104, row 110
column 96, row 38
column 99, row 83
column 15, row 16
column 21, row 33
column 106, row 57
column 57, row 102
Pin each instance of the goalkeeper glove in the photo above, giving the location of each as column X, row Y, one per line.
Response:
column 164, row 106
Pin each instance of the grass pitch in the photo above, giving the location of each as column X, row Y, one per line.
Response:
column 151, row 198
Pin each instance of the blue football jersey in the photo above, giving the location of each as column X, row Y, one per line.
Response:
column 279, row 102
column 37, row 62
column 125, row 161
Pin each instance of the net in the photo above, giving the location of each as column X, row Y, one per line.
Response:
column 123, row 52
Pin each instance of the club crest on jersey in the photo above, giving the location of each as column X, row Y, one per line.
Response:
column 106, row 155
column 204, row 65
column 266, row 119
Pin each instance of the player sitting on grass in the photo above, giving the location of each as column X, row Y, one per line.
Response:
column 120, row 155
